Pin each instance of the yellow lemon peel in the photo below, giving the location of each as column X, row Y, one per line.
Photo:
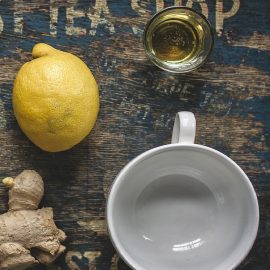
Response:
column 55, row 99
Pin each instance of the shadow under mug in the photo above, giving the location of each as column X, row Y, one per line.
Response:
column 182, row 206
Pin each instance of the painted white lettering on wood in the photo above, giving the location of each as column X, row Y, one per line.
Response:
column 53, row 18
column 18, row 17
column 159, row 5
column 92, row 256
column 114, row 262
column 221, row 15
column 1, row 25
column 69, row 259
column 136, row 7
column 99, row 15
column 178, row 2
column 101, row 10
column 71, row 14
column 202, row 3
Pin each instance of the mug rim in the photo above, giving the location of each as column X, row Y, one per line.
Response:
column 141, row 157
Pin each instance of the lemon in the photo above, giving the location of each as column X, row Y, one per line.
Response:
column 55, row 99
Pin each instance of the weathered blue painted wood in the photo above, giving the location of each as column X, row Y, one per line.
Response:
column 229, row 95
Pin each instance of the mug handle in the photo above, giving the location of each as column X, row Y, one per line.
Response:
column 184, row 128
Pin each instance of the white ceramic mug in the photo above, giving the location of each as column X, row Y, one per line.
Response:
column 182, row 206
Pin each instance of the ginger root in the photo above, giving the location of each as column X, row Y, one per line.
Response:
column 8, row 182
column 28, row 236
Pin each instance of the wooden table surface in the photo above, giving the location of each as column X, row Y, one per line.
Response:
column 229, row 96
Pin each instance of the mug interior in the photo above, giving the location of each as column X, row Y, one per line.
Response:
column 182, row 207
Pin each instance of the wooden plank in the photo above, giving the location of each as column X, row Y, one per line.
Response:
column 229, row 95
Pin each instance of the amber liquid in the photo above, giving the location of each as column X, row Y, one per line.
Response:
column 175, row 40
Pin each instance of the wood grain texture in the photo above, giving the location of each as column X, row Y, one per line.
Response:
column 229, row 96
